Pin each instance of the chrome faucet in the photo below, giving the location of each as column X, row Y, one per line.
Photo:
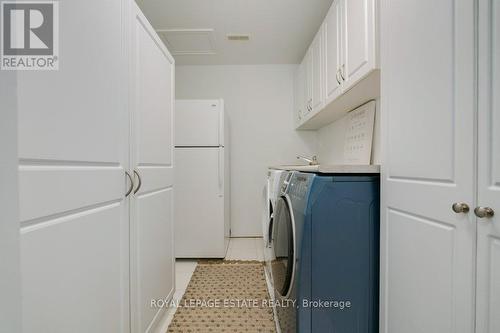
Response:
column 312, row 161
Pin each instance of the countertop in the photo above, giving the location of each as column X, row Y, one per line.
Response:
column 330, row 168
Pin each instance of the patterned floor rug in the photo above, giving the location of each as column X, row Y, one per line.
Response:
column 225, row 296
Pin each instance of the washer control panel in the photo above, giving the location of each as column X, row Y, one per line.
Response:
column 300, row 184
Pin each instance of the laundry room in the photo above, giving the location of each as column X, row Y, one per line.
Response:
column 278, row 166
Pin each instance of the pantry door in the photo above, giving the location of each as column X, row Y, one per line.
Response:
column 488, row 228
column 428, row 104
column 151, row 227
column 73, row 153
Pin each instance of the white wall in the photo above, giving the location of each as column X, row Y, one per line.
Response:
column 259, row 102
column 331, row 141
column 10, row 285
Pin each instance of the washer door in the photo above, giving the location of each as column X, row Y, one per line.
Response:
column 283, row 247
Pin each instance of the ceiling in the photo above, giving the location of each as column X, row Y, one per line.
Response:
column 196, row 30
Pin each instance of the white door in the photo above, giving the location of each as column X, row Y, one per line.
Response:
column 359, row 33
column 317, row 71
column 332, row 44
column 151, row 226
column 199, row 203
column 427, row 250
column 73, row 152
column 488, row 229
column 198, row 123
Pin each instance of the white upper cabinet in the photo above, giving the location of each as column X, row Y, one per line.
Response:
column 358, row 40
column 341, row 63
column 333, row 60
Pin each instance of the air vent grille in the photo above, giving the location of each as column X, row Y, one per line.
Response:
column 238, row 37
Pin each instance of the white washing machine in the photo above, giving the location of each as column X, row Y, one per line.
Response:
column 275, row 179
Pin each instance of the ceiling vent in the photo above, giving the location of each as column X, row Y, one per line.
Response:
column 189, row 41
column 238, row 37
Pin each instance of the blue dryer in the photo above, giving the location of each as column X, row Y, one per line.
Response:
column 326, row 240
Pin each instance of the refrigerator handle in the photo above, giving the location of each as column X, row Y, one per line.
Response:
column 221, row 127
column 221, row 172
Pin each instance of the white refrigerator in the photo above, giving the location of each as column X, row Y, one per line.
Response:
column 202, row 212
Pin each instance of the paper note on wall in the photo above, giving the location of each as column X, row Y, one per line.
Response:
column 359, row 134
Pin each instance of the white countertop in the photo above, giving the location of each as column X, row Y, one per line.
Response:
column 330, row 168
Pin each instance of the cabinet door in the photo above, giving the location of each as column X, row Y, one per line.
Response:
column 317, row 71
column 299, row 94
column 488, row 238
column 332, row 28
column 359, row 45
column 308, row 68
column 428, row 251
column 151, row 227
column 73, row 152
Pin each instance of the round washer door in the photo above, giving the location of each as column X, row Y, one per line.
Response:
column 283, row 247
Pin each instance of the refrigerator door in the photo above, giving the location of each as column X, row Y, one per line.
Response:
column 199, row 203
column 199, row 123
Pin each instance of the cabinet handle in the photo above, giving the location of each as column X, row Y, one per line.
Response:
column 337, row 76
column 131, row 184
column 340, row 71
column 140, row 181
column 460, row 207
column 484, row 212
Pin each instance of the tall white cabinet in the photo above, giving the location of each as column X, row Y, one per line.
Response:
column 151, row 222
column 488, row 156
column 90, row 255
column 73, row 152
column 440, row 252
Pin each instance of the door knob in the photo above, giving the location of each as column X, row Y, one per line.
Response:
column 484, row 212
column 460, row 207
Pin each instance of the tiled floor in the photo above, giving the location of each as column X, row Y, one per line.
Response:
column 239, row 249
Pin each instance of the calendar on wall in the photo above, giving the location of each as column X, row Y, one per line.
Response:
column 359, row 134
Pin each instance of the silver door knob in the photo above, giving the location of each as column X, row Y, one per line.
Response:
column 484, row 212
column 460, row 207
